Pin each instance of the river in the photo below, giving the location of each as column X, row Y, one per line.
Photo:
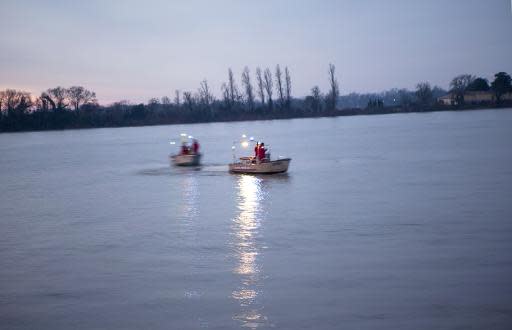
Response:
column 383, row 222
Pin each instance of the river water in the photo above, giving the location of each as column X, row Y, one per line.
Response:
column 383, row 222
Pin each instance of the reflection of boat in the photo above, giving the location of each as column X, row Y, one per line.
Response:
column 186, row 160
column 251, row 165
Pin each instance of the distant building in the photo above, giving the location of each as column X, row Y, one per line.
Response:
column 507, row 97
column 474, row 97
column 477, row 97
column 448, row 99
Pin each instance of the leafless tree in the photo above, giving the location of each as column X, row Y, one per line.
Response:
column 177, row 98
column 166, row 100
column 249, row 93
column 288, row 87
column 2, row 101
column 205, row 96
column 153, row 103
column 234, row 95
column 459, row 85
column 15, row 102
column 424, row 93
column 189, row 100
column 225, row 93
column 334, row 92
column 317, row 98
column 78, row 96
column 268, row 85
column 46, row 100
column 279, row 82
column 261, row 90
column 57, row 97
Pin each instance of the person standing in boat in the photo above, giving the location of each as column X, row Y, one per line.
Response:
column 261, row 152
column 256, row 150
column 184, row 148
column 195, row 147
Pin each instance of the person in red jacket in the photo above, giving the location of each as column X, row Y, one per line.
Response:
column 256, row 150
column 195, row 147
column 184, row 149
column 261, row 152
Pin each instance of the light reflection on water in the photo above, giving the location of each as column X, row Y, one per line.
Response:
column 189, row 195
column 244, row 229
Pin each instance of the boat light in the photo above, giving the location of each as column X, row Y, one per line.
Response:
column 244, row 136
column 183, row 134
column 172, row 142
column 190, row 137
column 245, row 144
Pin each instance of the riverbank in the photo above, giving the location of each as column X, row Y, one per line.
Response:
column 141, row 115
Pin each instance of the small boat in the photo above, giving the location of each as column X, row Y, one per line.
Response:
column 186, row 160
column 249, row 165
column 257, row 165
column 189, row 154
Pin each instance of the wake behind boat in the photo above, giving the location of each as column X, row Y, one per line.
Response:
column 260, row 163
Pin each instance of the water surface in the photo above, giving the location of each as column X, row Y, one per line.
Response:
column 395, row 221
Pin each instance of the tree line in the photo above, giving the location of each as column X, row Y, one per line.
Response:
column 425, row 97
column 267, row 95
column 464, row 83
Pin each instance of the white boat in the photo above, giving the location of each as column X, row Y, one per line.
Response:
column 249, row 165
column 189, row 154
column 186, row 160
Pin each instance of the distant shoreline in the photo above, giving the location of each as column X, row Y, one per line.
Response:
column 277, row 116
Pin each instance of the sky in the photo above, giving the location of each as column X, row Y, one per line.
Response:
column 137, row 50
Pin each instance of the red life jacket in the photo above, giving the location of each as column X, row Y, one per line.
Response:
column 184, row 150
column 261, row 153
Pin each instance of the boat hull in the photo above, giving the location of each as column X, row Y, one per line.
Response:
column 269, row 167
column 186, row 160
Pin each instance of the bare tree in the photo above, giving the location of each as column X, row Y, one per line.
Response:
column 225, row 94
column 279, row 82
column 234, row 95
column 2, row 101
column 334, row 92
column 424, row 93
column 249, row 93
column 15, row 102
column 166, row 100
column 404, row 97
column 205, row 95
column 57, row 97
column 268, row 85
column 261, row 90
column 288, row 87
column 177, row 97
column 317, row 99
column 189, row 100
column 47, row 101
column 459, row 85
column 153, row 102
column 78, row 96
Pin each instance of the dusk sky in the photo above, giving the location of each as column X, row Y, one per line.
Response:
column 136, row 50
